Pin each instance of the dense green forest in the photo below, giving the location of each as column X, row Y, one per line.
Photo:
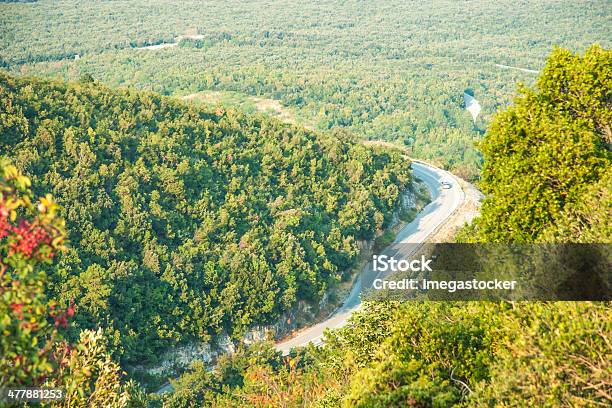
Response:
column 132, row 221
column 393, row 70
column 424, row 354
column 184, row 223
column 555, row 140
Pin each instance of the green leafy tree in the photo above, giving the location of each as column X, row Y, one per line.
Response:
column 546, row 152
column 186, row 222
column 547, row 177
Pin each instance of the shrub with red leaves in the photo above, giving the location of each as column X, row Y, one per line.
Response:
column 30, row 235
column 29, row 238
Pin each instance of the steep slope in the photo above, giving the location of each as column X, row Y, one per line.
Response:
column 547, row 179
column 183, row 222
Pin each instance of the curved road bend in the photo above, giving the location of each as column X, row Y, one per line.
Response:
column 443, row 204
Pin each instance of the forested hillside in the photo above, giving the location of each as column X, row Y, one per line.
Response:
column 150, row 203
column 547, row 179
column 394, row 70
column 184, row 223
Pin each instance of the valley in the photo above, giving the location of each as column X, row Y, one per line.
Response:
column 191, row 194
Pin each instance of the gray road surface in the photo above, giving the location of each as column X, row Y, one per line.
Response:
column 443, row 204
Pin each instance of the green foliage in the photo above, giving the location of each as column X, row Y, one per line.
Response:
column 185, row 222
column 384, row 240
column 435, row 354
column 32, row 349
column 30, row 234
column 90, row 377
column 393, row 69
column 587, row 220
column 486, row 354
column 432, row 353
column 548, row 156
column 549, row 355
column 200, row 387
column 547, row 178
column 195, row 388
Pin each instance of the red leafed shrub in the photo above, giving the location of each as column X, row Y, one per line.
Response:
column 30, row 235
column 29, row 238
column 33, row 351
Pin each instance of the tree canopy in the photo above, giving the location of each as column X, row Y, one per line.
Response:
column 548, row 157
column 392, row 70
column 547, row 179
column 34, row 350
column 186, row 222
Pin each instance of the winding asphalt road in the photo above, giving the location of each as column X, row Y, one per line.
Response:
column 443, row 203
